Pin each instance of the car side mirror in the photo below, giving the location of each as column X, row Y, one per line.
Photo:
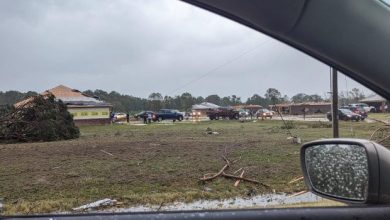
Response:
column 347, row 170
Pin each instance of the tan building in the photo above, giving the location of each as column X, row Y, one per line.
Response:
column 85, row 109
column 377, row 101
column 300, row 108
column 251, row 108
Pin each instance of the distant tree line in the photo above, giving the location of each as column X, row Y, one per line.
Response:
column 11, row 97
column 184, row 102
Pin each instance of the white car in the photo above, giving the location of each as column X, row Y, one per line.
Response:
column 119, row 115
column 366, row 107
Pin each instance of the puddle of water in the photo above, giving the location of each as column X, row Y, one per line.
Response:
column 235, row 203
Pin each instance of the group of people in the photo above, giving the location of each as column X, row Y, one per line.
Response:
column 147, row 118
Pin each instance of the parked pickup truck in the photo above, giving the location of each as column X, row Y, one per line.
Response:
column 223, row 112
column 172, row 114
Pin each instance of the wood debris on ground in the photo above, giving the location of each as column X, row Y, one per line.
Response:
column 107, row 153
column 296, row 180
column 297, row 194
column 221, row 172
column 95, row 205
column 238, row 181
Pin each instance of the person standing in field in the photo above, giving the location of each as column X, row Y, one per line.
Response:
column 111, row 117
column 145, row 117
column 128, row 117
column 149, row 117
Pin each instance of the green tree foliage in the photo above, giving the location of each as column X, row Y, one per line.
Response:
column 155, row 101
column 302, row 97
column 41, row 119
column 273, row 96
column 213, row 99
column 257, row 100
column 120, row 102
column 187, row 101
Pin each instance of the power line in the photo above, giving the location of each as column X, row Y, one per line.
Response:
column 219, row 67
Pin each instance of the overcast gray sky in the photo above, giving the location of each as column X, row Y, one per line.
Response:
column 137, row 47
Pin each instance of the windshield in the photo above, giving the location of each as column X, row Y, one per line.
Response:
column 90, row 92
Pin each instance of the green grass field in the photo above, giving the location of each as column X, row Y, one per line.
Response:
column 156, row 163
column 380, row 116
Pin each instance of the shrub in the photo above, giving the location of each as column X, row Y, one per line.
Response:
column 288, row 125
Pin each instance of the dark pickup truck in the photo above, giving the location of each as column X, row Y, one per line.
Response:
column 164, row 114
column 223, row 113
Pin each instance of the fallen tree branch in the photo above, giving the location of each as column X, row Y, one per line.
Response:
column 235, row 161
column 107, row 153
column 383, row 139
column 373, row 133
column 295, row 180
column 245, row 179
column 216, row 175
column 238, row 181
column 297, row 194
column 227, row 161
column 383, row 122
column 237, row 170
column 161, row 205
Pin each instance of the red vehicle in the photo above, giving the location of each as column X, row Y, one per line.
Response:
column 357, row 110
column 264, row 113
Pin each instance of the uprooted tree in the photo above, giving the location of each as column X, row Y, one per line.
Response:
column 41, row 118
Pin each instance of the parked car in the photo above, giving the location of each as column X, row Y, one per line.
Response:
column 172, row 114
column 345, row 115
column 145, row 114
column 264, row 113
column 358, row 110
column 223, row 113
column 364, row 106
column 119, row 116
column 243, row 113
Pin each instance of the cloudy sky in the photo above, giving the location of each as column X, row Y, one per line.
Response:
column 138, row 47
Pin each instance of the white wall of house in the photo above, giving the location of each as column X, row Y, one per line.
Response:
column 89, row 113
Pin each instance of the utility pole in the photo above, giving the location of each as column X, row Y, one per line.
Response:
column 335, row 100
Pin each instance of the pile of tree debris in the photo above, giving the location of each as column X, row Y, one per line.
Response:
column 42, row 118
column 222, row 173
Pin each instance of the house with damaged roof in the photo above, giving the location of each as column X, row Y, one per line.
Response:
column 84, row 108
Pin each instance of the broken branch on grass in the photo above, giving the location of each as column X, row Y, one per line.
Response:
column 297, row 194
column 235, row 161
column 227, row 161
column 208, row 174
column 383, row 122
column 107, row 153
column 373, row 133
column 238, row 181
column 245, row 179
column 237, row 170
column 383, row 139
column 295, row 180
column 216, row 175
column 161, row 205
